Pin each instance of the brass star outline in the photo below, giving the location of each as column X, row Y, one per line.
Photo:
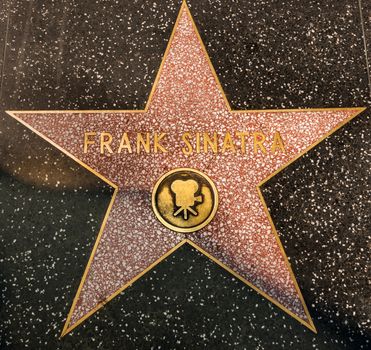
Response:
column 309, row 324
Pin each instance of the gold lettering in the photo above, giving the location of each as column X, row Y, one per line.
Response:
column 157, row 145
column 228, row 143
column 125, row 143
column 105, row 142
column 141, row 142
column 189, row 149
column 207, row 142
column 197, row 142
column 242, row 136
column 87, row 141
column 259, row 139
column 277, row 143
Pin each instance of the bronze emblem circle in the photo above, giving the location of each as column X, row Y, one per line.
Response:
column 185, row 200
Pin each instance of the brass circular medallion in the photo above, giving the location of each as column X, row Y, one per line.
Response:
column 184, row 200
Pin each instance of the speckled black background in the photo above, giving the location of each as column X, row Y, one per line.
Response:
column 105, row 54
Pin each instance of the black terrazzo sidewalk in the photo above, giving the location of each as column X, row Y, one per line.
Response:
column 276, row 54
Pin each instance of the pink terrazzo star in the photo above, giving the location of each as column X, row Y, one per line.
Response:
column 186, row 97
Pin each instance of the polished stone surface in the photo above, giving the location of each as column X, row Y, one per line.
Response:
column 267, row 55
column 324, row 219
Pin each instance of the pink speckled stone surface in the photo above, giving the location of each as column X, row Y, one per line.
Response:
column 187, row 98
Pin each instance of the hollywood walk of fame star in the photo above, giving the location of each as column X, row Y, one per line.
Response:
column 186, row 97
